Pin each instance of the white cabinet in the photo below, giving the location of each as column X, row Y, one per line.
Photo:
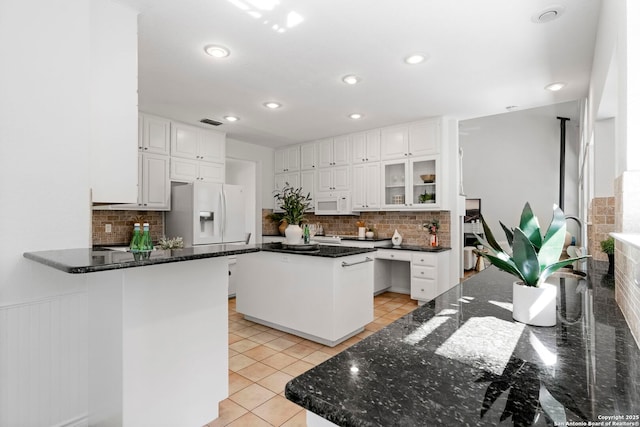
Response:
column 365, row 146
column 155, row 134
column 413, row 139
column 366, row 186
column 332, row 179
column 186, row 170
column 191, row 142
column 429, row 275
column 196, row 154
column 154, row 184
column 287, row 159
column 333, row 152
column 308, row 184
column 413, row 183
column 308, row 157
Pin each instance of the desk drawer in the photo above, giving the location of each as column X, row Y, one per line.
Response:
column 423, row 289
column 393, row 255
column 425, row 258
column 423, row 272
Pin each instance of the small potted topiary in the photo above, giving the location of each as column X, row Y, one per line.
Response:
column 608, row 246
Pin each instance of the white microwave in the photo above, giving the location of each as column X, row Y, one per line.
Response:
column 333, row 203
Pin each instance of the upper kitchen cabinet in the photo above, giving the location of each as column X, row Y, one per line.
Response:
column 413, row 139
column 365, row 146
column 187, row 170
column 154, row 187
column 414, row 184
column 287, row 159
column 333, row 152
column 113, row 77
column 366, row 186
column 333, row 179
column 191, row 142
column 308, row 156
column 155, row 134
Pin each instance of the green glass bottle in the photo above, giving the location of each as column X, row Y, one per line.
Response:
column 135, row 239
column 307, row 234
column 146, row 244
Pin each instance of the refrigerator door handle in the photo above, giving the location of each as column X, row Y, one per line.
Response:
column 223, row 224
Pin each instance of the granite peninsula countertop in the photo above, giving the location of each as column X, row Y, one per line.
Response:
column 89, row 260
column 417, row 248
column 322, row 251
column 461, row 360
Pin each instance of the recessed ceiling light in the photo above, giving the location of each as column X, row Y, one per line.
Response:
column 355, row 116
column 231, row 118
column 548, row 14
column 415, row 58
column 272, row 105
column 216, row 51
column 554, row 87
column 351, row 79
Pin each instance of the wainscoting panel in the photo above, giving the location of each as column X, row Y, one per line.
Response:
column 43, row 362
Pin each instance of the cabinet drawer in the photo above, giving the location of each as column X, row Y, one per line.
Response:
column 423, row 289
column 393, row 255
column 424, row 258
column 424, row 272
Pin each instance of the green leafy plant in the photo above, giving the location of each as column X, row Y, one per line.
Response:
column 426, row 197
column 533, row 257
column 608, row 246
column 293, row 202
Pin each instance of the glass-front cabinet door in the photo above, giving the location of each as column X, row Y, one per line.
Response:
column 411, row 184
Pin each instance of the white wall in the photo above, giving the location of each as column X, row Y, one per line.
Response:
column 44, row 204
column 513, row 158
column 263, row 156
column 604, row 154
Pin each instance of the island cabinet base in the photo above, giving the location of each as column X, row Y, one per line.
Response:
column 158, row 352
column 322, row 299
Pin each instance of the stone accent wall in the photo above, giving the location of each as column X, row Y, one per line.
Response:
column 601, row 220
column 408, row 224
column 122, row 226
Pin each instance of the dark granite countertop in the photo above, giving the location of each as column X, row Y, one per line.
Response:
column 366, row 239
column 461, row 360
column 322, row 251
column 89, row 260
column 417, row 248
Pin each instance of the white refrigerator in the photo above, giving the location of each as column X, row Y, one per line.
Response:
column 205, row 213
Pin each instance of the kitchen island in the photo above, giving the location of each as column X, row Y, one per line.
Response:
column 324, row 295
column 461, row 360
column 157, row 332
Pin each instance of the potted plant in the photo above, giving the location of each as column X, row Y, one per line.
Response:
column 277, row 217
column 294, row 203
column 533, row 259
column 608, row 246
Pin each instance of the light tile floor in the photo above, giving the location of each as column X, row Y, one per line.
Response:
column 262, row 360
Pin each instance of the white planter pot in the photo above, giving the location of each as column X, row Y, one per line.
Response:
column 293, row 234
column 535, row 306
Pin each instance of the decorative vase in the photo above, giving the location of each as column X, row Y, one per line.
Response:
column 535, row 306
column 369, row 234
column 282, row 227
column 611, row 269
column 434, row 240
column 396, row 239
column 293, row 234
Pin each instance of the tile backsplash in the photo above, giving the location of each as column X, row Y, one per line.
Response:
column 601, row 220
column 408, row 224
column 122, row 226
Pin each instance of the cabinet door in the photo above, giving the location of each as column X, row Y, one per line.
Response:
column 393, row 178
column 280, row 160
column 424, row 289
column 156, row 134
column 424, row 138
column 184, row 170
column 372, row 185
column 156, row 185
column 341, row 151
column 293, row 158
column 358, row 147
column 308, row 182
column 184, row 141
column 211, row 172
column 394, row 142
column 358, row 196
column 325, row 180
column 341, row 178
column 211, row 146
column 325, row 153
column 308, row 156
column 425, row 193
column 372, row 146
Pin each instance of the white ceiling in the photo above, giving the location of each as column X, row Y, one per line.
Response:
column 483, row 56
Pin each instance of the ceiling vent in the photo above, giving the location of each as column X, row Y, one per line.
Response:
column 548, row 14
column 210, row 122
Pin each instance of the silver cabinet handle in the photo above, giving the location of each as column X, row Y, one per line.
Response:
column 347, row 264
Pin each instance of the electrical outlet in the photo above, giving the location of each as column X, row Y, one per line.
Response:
column 107, row 228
